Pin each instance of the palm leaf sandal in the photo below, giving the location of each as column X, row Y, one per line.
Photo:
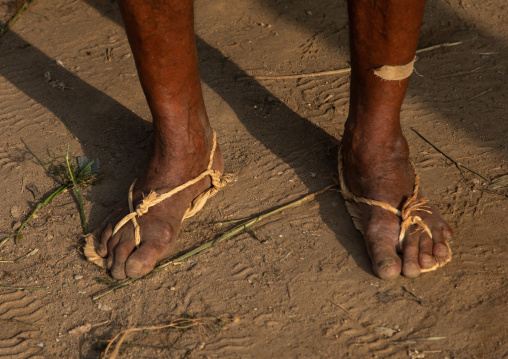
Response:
column 406, row 214
column 219, row 180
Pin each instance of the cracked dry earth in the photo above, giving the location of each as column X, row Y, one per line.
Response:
column 298, row 285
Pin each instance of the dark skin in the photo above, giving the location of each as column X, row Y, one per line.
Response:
column 168, row 72
column 376, row 154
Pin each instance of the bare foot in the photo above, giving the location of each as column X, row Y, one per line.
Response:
column 378, row 167
column 167, row 169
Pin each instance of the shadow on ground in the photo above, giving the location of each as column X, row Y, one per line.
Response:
column 91, row 114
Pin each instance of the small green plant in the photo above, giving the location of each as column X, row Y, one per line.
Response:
column 68, row 176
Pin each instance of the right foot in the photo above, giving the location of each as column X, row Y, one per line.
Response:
column 166, row 170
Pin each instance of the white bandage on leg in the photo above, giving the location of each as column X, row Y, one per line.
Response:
column 395, row 73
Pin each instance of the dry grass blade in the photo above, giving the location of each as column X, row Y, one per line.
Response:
column 22, row 258
column 231, row 233
column 341, row 71
column 299, row 76
column 344, row 309
column 456, row 163
column 480, row 94
column 418, row 299
column 22, row 288
column 460, row 73
column 120, row 337
column 499, row 182
column 231, row 221
column 415, row 340
column 385, row 331
column 21, row 322
column 4, row 240
column 137, row 345
column 446, row 44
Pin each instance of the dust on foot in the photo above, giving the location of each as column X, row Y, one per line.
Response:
column 384, row 173
column 159, row 227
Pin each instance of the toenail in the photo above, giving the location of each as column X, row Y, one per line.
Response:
column 441, row 249
column 385, row 263
column 427, row 258
column 134, row 266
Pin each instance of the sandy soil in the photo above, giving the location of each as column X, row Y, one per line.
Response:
column 298, row 285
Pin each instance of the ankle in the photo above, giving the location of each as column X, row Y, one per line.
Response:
column 181, row 136
column 374, row 139
column 177, row 158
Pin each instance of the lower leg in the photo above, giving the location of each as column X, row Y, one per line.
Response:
column 381, row 33
column 161, row 35
column 376, row 154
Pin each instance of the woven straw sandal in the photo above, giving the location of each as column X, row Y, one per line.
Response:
column 407, row 214
column 218, row 179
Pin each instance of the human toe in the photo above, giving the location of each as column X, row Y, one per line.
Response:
column 142, row 261
column 426, row 258
column 385, row 261
column 122, row 252
column 410, row 256
column 105, row 232
column 111, row 245
column 441, row 248
column 387, row 268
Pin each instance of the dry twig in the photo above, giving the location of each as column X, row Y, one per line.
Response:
column 480, row 94
column 120, row 337
column 446, row 44
column 22, row 258
column 22, row 288
column 344, row 309
column 415, row 340
column 20, row 322
column 4, row 240
column 342, row 71
column 456, row 163
column 298, row 76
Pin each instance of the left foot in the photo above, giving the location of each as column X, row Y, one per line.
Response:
column 379, row 168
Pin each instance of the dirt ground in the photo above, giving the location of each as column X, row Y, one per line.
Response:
column 299, row 284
